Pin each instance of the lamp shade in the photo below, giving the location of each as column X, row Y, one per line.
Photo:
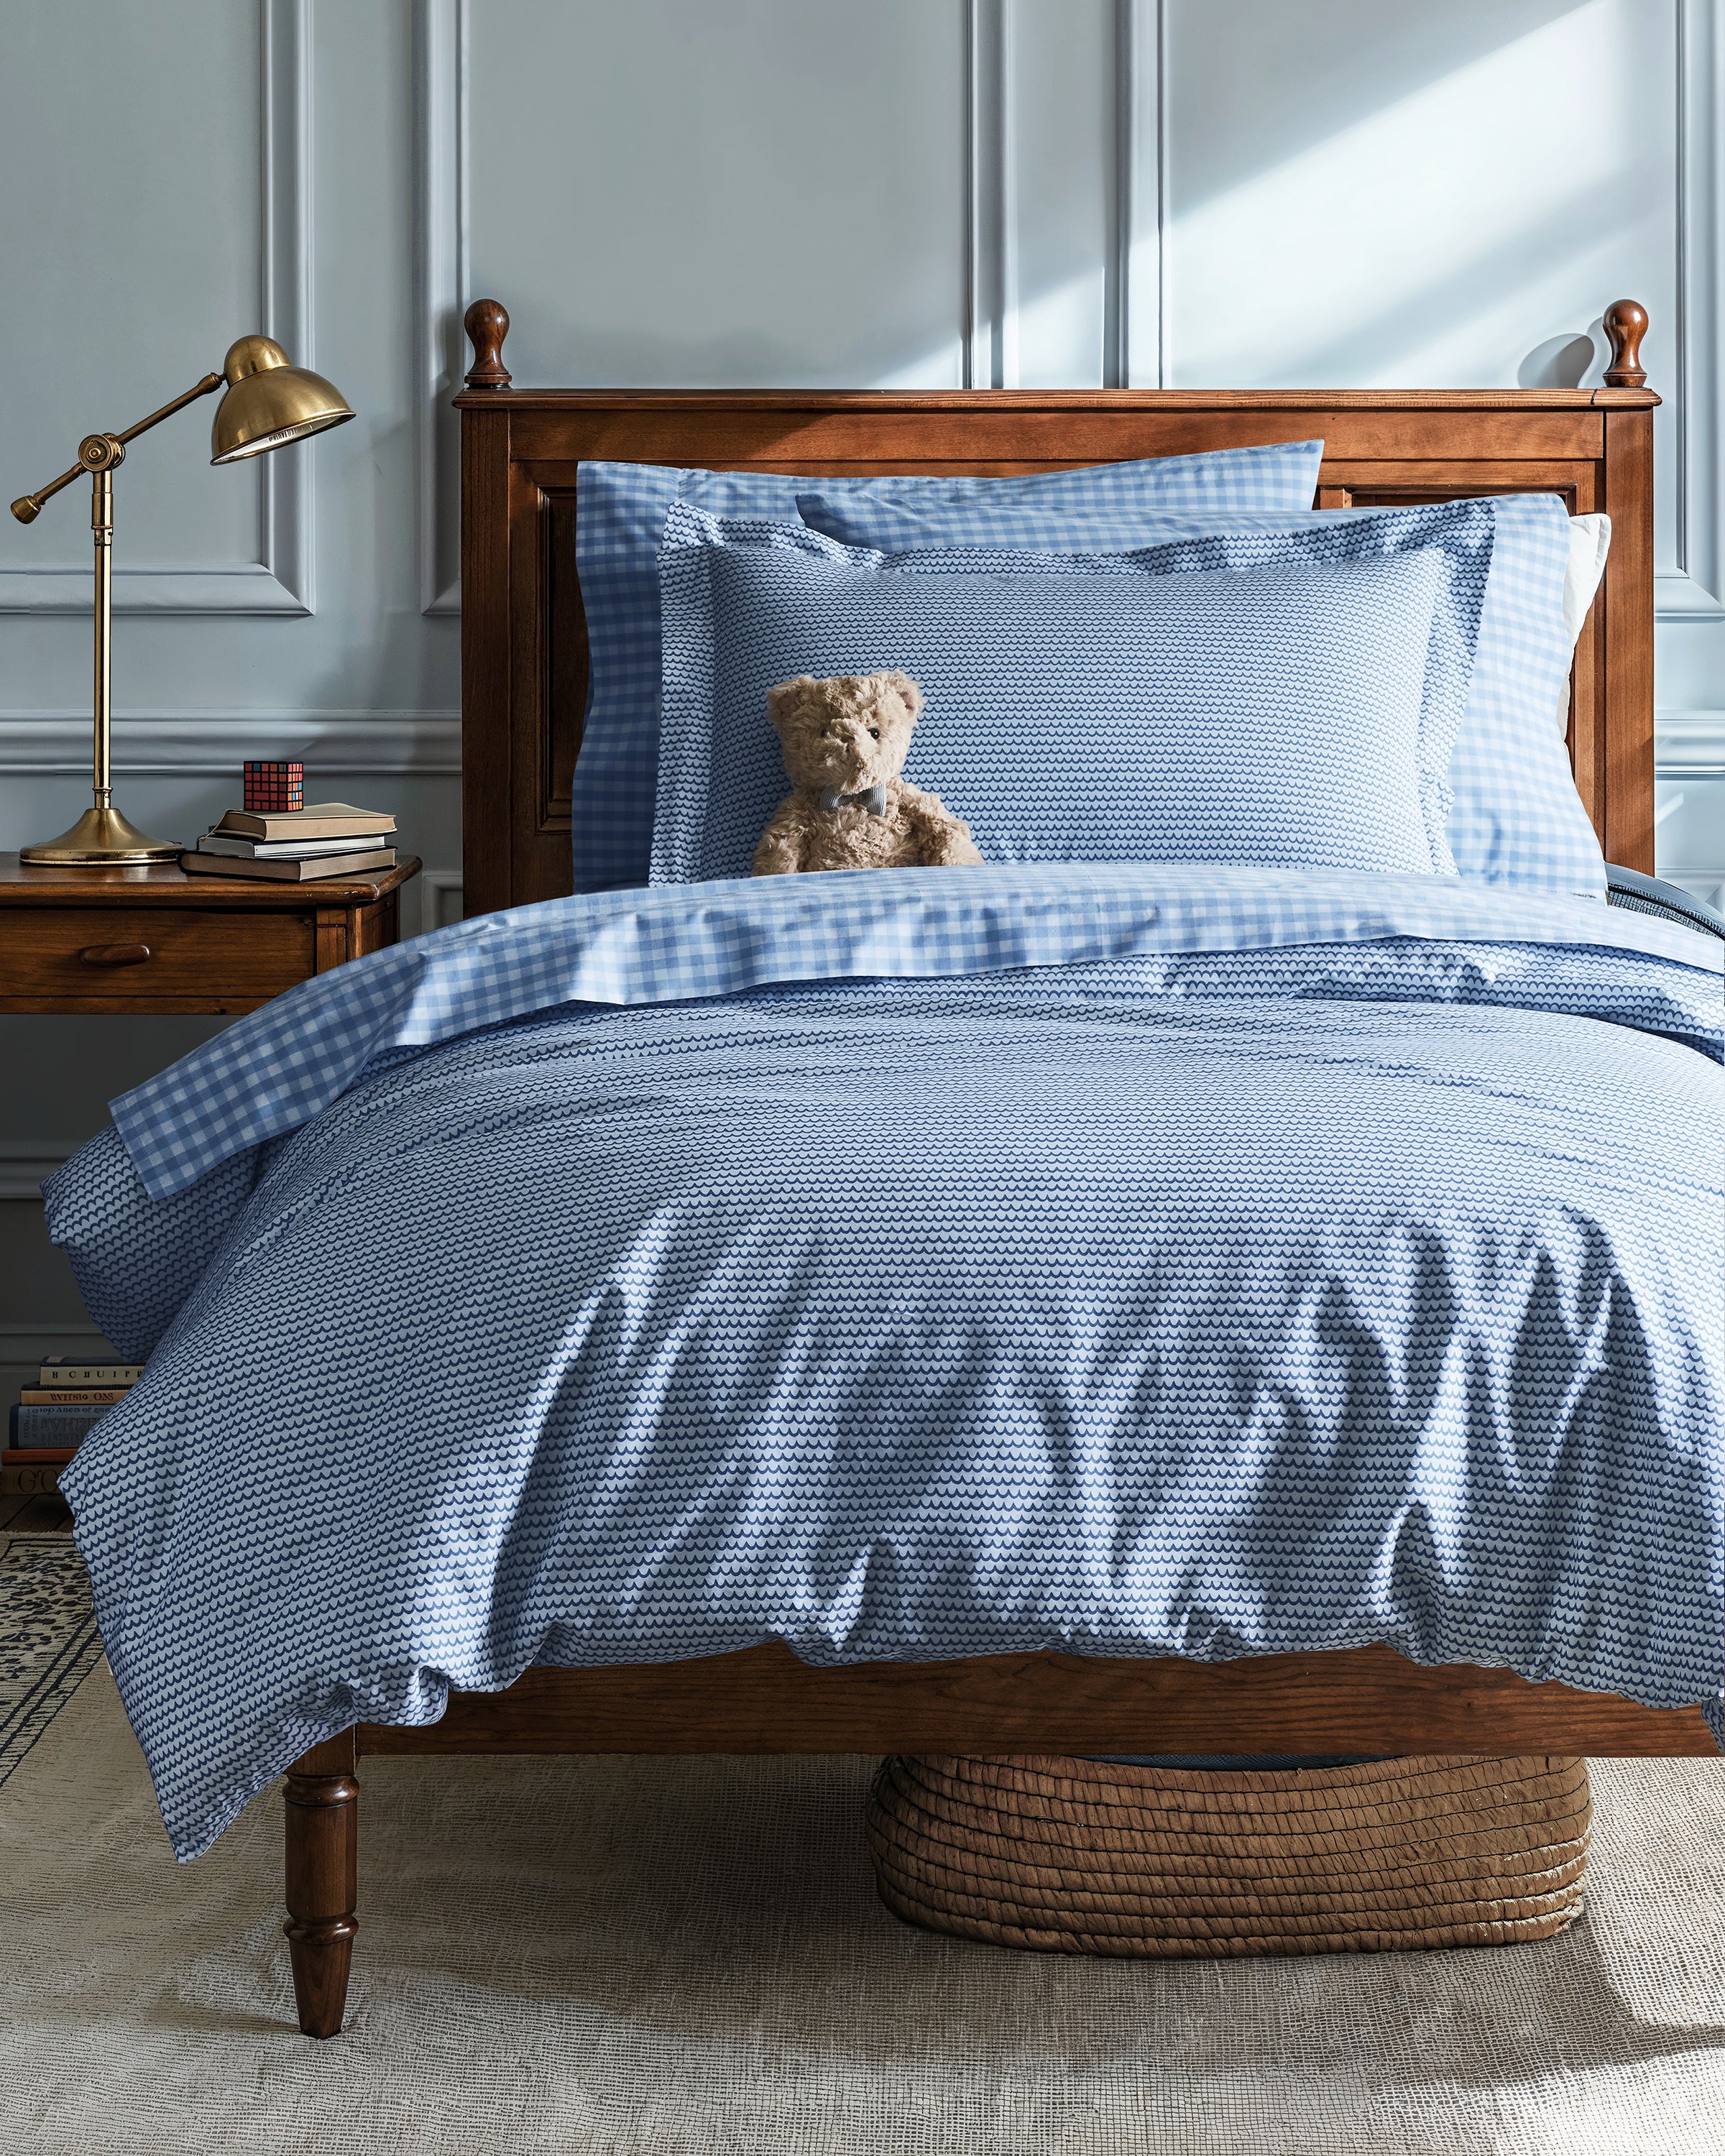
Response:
column 269, row 401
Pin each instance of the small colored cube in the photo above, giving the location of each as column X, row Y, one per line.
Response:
column 274, row 789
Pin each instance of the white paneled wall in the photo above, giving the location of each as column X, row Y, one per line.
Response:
column 755, row 191
column 877, row 193
column 87, row 170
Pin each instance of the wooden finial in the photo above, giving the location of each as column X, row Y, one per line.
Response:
column 487, row 324
column 1626, row 324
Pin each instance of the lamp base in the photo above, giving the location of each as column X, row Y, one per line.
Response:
column 101, row 838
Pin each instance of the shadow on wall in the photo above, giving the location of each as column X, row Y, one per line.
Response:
column 1356, row 194
column 1469, row 292
column 1560, row 362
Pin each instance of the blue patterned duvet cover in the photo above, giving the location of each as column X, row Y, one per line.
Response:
column 1136, row 1262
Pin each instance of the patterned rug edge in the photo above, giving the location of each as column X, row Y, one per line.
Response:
column 71, row 1657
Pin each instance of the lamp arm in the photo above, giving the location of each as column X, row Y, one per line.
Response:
column 28, row 506
column 210, row 383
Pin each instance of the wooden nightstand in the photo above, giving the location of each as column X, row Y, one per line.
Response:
column 147, row 941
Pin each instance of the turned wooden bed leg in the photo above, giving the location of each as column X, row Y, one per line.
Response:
column 322, row 1880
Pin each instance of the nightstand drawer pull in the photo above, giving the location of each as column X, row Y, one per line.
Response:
column 114, row 954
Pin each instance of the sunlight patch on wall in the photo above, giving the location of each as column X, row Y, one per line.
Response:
column 1436, row 241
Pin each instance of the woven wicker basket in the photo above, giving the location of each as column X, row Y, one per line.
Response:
column 1100, row 1857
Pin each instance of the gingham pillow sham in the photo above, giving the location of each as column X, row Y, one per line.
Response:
column 1516, row 817
column 621, row 517
column 1095, row 507
column 1272, row 697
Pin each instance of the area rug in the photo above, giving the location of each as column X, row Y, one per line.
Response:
column 688, row 1955
column 47, row 1637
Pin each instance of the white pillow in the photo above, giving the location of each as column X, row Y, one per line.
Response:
column 1590, row 543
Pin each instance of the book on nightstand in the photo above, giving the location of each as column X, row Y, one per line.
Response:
column 304, row 845
column 220, row 842
column 35, row 1429
column 55, row 1414
column 57, row 1370
column 72, row 1396
column 323, row 820
column 303, row 870
column 32, row 1474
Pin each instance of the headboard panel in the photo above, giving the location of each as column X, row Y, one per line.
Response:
column 524, row 639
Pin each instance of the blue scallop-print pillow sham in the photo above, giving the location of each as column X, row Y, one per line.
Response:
column 1515, row 816
column 1281, row 697
column 620, row 518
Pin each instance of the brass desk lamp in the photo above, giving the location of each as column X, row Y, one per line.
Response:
column 268, row 402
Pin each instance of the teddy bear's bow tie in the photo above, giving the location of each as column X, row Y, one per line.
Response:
column 871, row 798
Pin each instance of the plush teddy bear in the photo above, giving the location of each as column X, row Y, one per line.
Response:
column 845, row 740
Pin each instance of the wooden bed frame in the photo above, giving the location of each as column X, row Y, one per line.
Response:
column 524, row 661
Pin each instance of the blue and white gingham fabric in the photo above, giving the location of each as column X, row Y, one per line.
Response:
column 1515, row 816
column 137, row 1257
column 1318, row 1263
column 1284, row 697
column 1101, row 506
column 279, row 1066
column 621, row 514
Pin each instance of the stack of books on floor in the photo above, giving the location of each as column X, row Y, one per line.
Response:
column 330, row 838
column 69, row 1398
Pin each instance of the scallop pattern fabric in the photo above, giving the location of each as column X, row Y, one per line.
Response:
column 1278, row 698
column 620, row 520
column 1516, row 817
column 277, row 1067
column 1137, row 1308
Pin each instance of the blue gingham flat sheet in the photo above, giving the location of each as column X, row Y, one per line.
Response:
column 911, row 1265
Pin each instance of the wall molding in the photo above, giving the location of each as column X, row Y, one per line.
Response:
column 1707, row 884
column 1696, row 587
column 280, row 582
column 1689, row 744
column 439, row 898
column 285, row 126
column 440, row 293
column 1138, row 356
column 1141, row 349
column 991, row 296
column 1118, row 289
column 1135, row 304
column 205, row 744
column 25, row 1163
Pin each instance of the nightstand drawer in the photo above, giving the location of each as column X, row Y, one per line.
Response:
column 87, row 955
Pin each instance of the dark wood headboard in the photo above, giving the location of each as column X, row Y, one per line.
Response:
column 523, row 634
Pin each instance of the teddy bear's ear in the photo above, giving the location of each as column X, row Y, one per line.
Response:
column 784, row 697
column 905, row 689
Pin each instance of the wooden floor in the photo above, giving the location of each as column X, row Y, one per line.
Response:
column 35, row 1515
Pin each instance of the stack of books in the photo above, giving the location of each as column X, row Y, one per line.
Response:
column 67, row 1399
column 330, row 838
